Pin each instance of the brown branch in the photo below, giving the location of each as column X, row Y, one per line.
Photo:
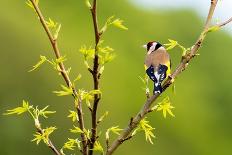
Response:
column 78, row 103
column 96, row 77
column 50, row 143
column 225, row 23
column 181, row 67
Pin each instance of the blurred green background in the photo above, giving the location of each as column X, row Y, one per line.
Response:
column 202, row 124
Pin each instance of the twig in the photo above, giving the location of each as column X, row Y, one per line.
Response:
column 181, row 67
column 78, row 103
column 96, row 76
column 50, row 144
column 226, row 22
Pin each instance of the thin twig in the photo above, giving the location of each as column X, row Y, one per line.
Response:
column 226, row 22
column 96, row 77
column 78, row 103
column 50, row 143
column 181, row 67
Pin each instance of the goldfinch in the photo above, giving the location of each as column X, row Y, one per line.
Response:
column 157, row 64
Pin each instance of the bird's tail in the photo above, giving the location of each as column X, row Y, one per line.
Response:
column 157, row 88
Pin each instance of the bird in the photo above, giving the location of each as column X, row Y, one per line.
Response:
column 157, row 64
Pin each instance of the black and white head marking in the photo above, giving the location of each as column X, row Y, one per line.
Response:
column 152, row 46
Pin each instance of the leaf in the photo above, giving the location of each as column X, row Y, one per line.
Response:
column 66, row 91
column 44, row 113
column 29, row 3
column 76, row 130
column 119, row 23
column 71, row 144
column 98, row 147
column 44, row 136
column 51, row 24
column 87, row 133
column 144, row 125
column 165, row 107
column 77, row 78
column 73, row 115
column 61, row 59
column 87, row 52
column 36, row 66
column 19, row 110
column 213, row 28
column 56, row 34
column 94, row 92
column 171, row 44
column 103, row 117
column 114, row 129
column 87, row 3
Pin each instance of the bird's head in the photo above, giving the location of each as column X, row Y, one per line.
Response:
column 152, row 46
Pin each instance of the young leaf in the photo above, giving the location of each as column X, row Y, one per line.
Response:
column 44, row 136
column 213, row 28
column 29, row 3
column 144, row 125
column 36, row 66
column 87, row 3
column 56, row 34
column 73, row 115
column 51, row 24
column 98, row 147
column 76, row 130
column 118, row 23
column 45, row 112
column 77, row 78
column 71, row 144
column 171, row 44
column 114, row 129
column 66, row 91
column 87, row 52
column 103, row 117
column 165, row 107
column 19, row 110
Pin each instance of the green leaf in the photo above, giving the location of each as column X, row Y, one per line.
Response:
column 87, row 3
column 61, row 59
column 119, row 23
column 103, row 117
column 45, row 112
column 213, row 28
column 36, row 66
column 144, row 125
column 51, row 24
column 19, row 110
column 56, row 34
column 87, row 52
column 94, row 92
column 76, row 130
column 44, row 136
column 165, row 107
column 98, row 147
column 77, row 78
column 71, row 144
column 171, row 44
column 114, row 129
column 29, row 3
column 66, row 91
column 73, row 115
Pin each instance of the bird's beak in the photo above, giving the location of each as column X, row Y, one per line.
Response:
column 144, row 46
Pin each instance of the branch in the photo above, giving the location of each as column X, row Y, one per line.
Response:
column 225, row 23
column 96, row 76
column 78, row 103
column 50, row 144
column 181, row 67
